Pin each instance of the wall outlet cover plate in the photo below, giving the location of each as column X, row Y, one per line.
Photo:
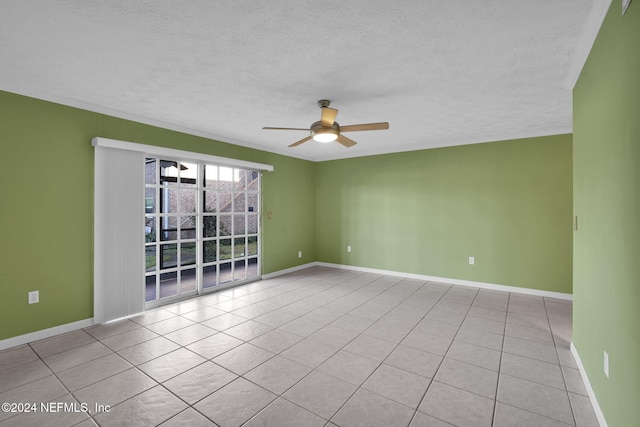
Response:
column 34, row 297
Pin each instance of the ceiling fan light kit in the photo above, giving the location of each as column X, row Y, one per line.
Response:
column 321, row 134
column 328, row 130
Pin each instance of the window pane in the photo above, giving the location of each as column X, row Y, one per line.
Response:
column 149, row 229
column 225, row 178
column 168, row 284
column 225, row 225
column 252, row 202
column 187, row 253
column 209, row 250
column 252, row 224
column 239, row 270
column 209, row 226
column 150, row 171
column 188, row 280
column 252, row 245
column 254, row 181
column 188, row 227
column 188, row 200
column 168, row 228
column 225, row 248
column 239, row 204
column 211, row 201
column 168, row 172
column 169, row 255
column 239, row 248
column 226, row 201
column 252, row 267
column 188, row 174
column 224, row 273
column 150, row 288
column 240, row 180
column 168, row 200
column 210, row 176
column 238, row 224
column 209, row 278
column 150, row 258
column 149, row 200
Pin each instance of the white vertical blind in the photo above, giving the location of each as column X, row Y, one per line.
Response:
column 118, row 233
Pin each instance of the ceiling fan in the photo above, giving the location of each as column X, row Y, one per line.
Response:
column 328, row 130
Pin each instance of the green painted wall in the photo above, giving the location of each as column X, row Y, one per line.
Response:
column 508, row 204
column 46, row 206
column 606, row 126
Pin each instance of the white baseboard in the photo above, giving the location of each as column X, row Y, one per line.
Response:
column 483, row 285
column 289, row 270
column 44, row 333
column 592, row 396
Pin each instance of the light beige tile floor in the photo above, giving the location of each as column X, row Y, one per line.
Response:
column 319, row 347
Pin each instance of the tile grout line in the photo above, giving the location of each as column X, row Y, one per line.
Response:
column 69, row 392
column 359, row 334
column 445, row 354
column 339, row 349
column 495, row 401
column 555, row 346
column 275, row 354
column 281, row 395
column 399, row 342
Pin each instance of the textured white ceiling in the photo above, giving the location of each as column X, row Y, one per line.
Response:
column 440, row 72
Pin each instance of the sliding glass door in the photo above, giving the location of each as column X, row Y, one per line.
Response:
column 201, row 227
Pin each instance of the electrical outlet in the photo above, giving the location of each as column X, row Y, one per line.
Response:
column 606, row 364
column 299, row 254
column 34, row 297
column 348, row 248
column 472, row 260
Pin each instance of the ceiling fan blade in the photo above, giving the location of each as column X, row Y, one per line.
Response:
column 365, row 126
column 295, row 144
column 272, row 128
column 328, row 116
column 346, row 141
